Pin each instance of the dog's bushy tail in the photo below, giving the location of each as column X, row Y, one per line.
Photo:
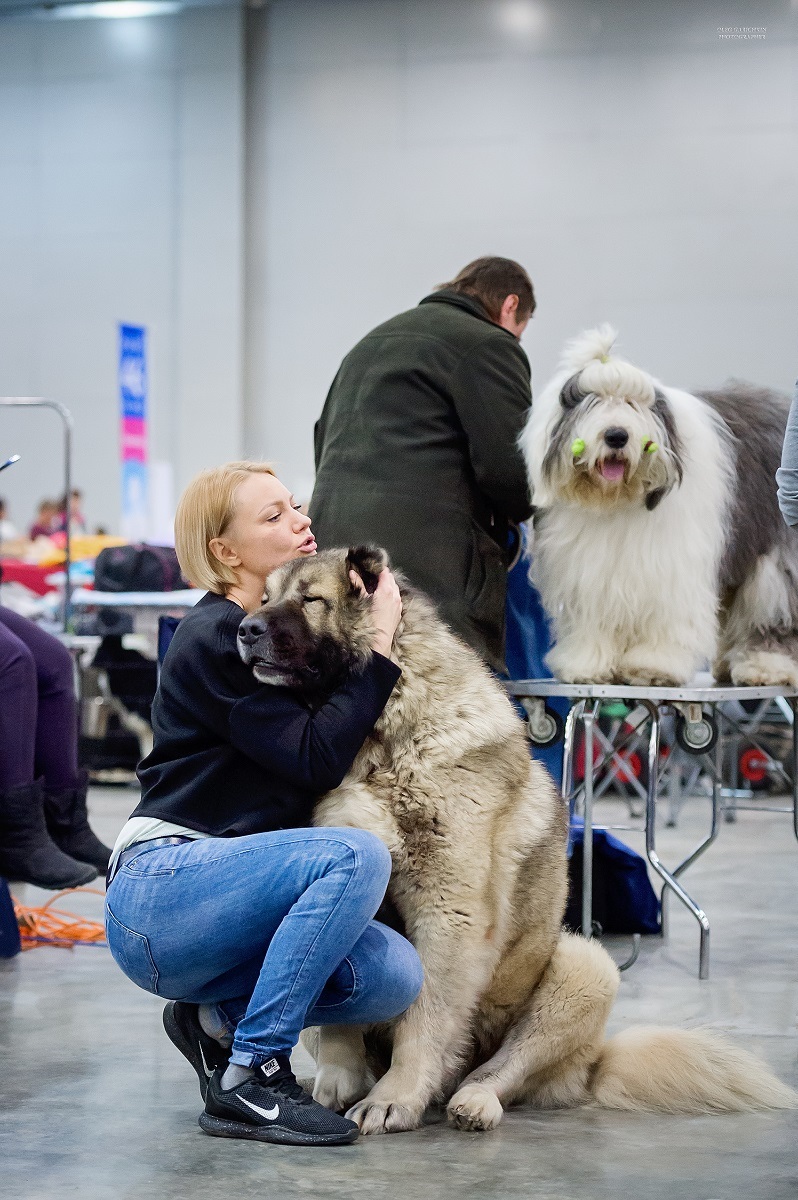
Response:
column 655, row 1069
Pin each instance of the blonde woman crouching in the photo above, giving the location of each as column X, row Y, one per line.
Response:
column 221, row 897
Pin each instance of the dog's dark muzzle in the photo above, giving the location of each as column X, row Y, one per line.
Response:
column 254, row 640
column 251, row 630
column 278, row 641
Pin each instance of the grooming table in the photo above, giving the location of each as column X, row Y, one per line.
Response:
column 144, row 607
column 184, row 599
column 698, row 717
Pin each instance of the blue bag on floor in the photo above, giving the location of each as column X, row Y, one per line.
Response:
column 623, row 899
column 9, row 929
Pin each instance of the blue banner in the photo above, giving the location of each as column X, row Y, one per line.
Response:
column 132, row 371
column 133, row 414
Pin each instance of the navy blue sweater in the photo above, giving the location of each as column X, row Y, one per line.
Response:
column 234, row 756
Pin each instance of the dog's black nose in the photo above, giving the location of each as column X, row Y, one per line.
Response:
column 615, row 437
column 250, row 629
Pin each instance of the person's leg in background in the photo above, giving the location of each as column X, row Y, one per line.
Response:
column 27, row 852
column 56, row 743
column 18, row 710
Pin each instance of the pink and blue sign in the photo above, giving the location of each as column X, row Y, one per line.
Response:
column 133, row 400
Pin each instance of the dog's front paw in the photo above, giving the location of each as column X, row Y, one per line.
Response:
column 385, row 1116
column 579, row 664
column 764, row 668
column 474, row 1108
column 338, row 1087
column 650, row 667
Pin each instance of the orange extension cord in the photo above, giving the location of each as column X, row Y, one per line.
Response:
column 48, row 926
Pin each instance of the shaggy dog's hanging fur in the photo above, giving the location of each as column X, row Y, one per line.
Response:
column 659, row 545
column 512, row 1009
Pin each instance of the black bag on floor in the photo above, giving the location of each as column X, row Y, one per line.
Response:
column 137, row 569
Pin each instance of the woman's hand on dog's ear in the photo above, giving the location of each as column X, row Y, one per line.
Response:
column 386, row 609
column 367, row 562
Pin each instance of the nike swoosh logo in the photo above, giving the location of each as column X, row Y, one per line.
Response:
column 270, row 1114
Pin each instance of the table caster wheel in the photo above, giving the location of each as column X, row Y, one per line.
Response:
column 697, row 737
column 544, row 725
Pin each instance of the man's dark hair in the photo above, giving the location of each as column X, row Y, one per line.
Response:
column 491, row 280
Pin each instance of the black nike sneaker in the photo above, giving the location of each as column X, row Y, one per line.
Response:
column 181, row 1022
column 271, row 1106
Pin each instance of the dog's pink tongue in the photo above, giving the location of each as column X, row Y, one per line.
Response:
column 612, row 470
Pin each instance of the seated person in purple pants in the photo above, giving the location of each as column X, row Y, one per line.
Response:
column 45, row 837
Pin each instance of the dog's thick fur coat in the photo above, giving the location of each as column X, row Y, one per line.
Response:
column 513, row 1009
column 659, row 545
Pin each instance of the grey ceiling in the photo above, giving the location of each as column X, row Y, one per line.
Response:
column 20, row 6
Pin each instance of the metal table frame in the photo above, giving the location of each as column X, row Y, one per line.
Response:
column 68, row 424
column 691, row 701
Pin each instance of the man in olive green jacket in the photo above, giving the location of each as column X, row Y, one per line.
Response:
column 416, row 449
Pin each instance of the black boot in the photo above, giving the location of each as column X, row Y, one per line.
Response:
column 68, row 824
column 27, row 853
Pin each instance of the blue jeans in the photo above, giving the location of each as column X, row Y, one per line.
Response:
column 274, row 928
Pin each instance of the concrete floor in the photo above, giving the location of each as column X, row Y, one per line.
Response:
column 97, row 1104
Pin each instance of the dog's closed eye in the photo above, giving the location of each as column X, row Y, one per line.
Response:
column 316, row 600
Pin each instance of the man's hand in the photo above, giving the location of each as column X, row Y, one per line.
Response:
column 386, row 609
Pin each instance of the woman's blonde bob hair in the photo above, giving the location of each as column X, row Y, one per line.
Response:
column 205, row 510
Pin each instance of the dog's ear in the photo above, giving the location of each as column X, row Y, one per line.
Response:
column 571, row 394
column 670, row 454
column 367, row 562
column 653, row 498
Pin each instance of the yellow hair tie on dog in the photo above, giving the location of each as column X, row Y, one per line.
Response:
column 649, row 447
column 577, row 447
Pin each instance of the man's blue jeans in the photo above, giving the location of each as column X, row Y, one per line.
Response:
column 275, row 928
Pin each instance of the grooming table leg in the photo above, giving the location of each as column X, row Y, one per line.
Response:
column 633, row 957
column 675, row 792
column 717, row 807
column 651, row 850
column 588, row 717
column 794, row 709
column 567, row 786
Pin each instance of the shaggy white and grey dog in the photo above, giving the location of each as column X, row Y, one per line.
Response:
column 659, row 545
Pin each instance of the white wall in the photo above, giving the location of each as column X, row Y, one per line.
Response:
column 121, row 199
column 641, row 168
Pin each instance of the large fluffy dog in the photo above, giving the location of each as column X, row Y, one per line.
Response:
column 658, row 540
column 512, row 1009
